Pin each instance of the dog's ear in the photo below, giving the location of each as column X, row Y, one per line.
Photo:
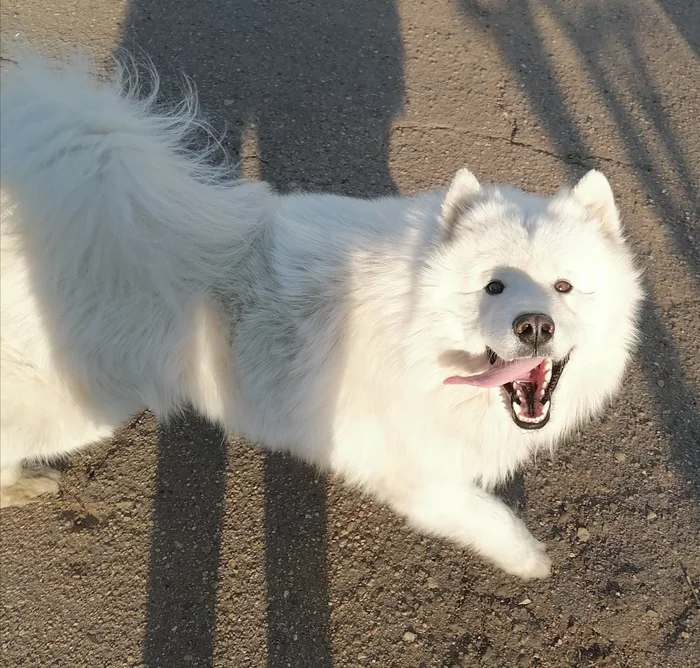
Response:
column 462, row 191
column 594, row 193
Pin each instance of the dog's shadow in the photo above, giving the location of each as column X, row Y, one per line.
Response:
column 317, row 84
column 513, row 492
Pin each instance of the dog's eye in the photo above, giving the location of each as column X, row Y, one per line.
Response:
column 563, row 286
column 495, row 288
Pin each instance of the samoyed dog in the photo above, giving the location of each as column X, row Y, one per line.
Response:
column 422, row 347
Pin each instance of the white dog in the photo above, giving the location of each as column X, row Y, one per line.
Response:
column 421, row 347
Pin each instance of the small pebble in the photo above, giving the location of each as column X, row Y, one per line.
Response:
column 651, row 515
column 525, row 601
column 409, row 637
column 502, row 591
column 652, row 613
column 583, row 534
column 660, row 383
column 620, row 457
column 432, row 583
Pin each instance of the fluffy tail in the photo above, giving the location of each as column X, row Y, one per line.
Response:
column 102, row 180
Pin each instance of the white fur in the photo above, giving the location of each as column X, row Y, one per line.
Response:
column 133, row 275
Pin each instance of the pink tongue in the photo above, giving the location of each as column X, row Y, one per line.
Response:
column 499, row 374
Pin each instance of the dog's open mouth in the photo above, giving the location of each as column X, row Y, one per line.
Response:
column 528, row 383
column 530, row 396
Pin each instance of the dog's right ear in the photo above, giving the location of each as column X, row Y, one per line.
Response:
column 461, row 193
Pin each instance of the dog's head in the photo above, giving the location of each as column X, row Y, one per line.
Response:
column 545, row 289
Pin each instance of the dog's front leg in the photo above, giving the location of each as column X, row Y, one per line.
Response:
column 480, row 521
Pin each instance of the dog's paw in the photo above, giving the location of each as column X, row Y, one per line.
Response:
column 32, row 482
column 534, row 566
column 528, row 559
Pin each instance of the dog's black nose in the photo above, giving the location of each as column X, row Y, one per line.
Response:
column 534, row 328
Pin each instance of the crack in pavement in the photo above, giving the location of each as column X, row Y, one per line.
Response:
column 571, row 158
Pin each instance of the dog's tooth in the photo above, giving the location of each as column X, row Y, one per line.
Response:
column 545, row 407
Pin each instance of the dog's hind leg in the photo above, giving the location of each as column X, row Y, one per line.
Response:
column 40, row 420
column 20, row 485
column 23, row 473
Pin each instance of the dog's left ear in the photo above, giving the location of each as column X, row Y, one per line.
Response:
column 462, row 190
column 594, row 193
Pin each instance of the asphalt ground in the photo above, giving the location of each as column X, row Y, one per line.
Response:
column 176, row 547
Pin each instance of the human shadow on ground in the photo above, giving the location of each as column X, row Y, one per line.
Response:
column 316, row 84
column 185, row 544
